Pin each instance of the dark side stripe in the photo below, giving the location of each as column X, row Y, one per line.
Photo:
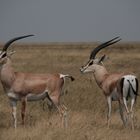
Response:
column 121, row 84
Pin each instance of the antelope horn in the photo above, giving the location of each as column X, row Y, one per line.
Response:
column 12, row 40
column 103, row 45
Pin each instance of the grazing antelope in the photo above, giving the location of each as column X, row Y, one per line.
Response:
column 28, row 86
column 116, row 86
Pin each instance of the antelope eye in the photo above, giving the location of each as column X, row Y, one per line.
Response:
column 4, row 55
column 91, row 63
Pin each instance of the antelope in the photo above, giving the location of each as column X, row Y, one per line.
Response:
column 25, row 87
column 115, row 86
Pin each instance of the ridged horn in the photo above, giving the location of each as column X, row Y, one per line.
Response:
column 12, row 40
column 103, row 45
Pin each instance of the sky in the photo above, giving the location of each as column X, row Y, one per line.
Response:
column 70, row 20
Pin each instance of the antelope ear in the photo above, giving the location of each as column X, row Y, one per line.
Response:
column 10, row 53
column 103, row 58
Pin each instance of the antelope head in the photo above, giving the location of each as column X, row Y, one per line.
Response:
column 4, row 55
column 93, row 63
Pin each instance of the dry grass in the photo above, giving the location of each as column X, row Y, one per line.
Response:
column 85, row 101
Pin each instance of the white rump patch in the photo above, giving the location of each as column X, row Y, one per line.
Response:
column 63, row 76
column 129, row 79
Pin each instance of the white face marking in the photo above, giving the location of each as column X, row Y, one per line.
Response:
column 84, row 68
column 91, row 66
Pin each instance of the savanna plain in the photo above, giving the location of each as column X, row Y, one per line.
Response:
column 87, row 107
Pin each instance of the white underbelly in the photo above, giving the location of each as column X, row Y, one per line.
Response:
column 30, row 97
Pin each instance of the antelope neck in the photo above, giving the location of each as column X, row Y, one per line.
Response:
column 100, row 75
column 7, row 74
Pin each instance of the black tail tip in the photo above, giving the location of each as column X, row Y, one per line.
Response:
column 72, row 78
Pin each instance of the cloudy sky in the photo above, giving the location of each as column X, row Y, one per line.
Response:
column 70, row 20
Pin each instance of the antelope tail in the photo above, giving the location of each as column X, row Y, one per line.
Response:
column 67, row 76
column 131, row 85
column 127, row 83
column 71, row 77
